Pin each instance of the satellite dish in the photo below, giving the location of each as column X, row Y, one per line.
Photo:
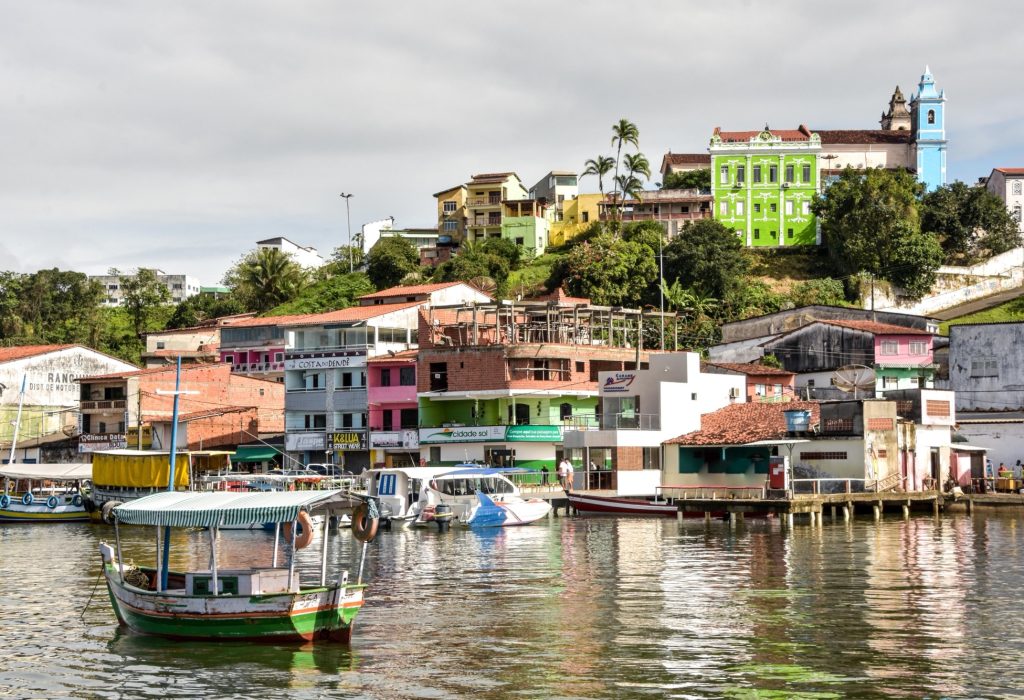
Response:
column 854, row 379
column 70, row 430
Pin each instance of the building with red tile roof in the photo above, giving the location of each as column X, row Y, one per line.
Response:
column 763, row 383
column 438, row 293
column 1008, row 185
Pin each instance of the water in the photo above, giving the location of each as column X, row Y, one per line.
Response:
column 588, row 608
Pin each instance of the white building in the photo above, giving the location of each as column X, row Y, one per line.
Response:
column 641, row 409
column 181, row 287
column 1008, row 185
column 374, row 231
column 306, row 256
column 557, row 187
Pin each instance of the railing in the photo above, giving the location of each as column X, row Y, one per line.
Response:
column 710, row 492
column 651, row 216
column 478, row 223
column 258, row 367
column 615, row 421
column 109, row 404
column 815, row 487
column 483, row 202
column 842, row 426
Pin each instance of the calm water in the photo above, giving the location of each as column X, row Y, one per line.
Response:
column 576, row 608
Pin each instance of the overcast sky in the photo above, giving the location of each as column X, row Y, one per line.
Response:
column 176, row 134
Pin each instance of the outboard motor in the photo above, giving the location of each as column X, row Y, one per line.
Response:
column 443, row 516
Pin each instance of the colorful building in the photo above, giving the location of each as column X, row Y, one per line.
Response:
column 485, row 197
column 673, row 209
column 763, row 183
column 451, row 213
column 577, row 216
column 928, row 109
column 763, row 384
column 394, row 415
column 525, row 223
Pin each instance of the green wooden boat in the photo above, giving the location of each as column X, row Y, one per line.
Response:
column 267, row 603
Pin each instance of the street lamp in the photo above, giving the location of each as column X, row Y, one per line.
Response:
column 348, row 216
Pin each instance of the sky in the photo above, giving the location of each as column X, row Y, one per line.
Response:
column 177, row 134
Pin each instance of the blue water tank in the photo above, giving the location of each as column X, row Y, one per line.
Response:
column 797, row 420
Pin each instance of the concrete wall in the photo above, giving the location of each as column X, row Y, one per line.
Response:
column 1004, row 438
column 986, row 366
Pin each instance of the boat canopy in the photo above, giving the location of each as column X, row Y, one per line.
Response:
column 190, row 509
column 486, row 471
column 51, row 472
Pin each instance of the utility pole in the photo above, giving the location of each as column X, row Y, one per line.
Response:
column 661, row 284
column 17, row 421
column 348, row 216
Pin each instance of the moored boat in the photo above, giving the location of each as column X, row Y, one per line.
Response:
column 262, row 603
column 48, row 493
column 613, row 505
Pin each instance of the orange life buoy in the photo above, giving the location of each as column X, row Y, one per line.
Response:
column 364, row 528
column 304, row 536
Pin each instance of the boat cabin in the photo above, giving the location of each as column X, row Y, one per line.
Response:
column 404, row 492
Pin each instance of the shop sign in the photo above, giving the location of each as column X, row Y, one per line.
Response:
column 618, row 383
column 94, row 442
column 348, row 441
column 475, row 433
column 534, row 433
column 147, row 437
column 299, row 442
column 339, row 361
column 395, row 438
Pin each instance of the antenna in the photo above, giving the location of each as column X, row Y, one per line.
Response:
column 854, row 378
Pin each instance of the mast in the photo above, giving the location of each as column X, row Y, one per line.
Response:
column 17, row 421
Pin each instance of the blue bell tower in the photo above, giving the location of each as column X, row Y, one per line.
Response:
column 928, row 108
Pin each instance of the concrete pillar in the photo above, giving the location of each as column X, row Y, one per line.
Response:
column 906, row 512
column 970, row 506
column 732, row 518
column 789, row 520
column 740, row 516
column 877, row 511
column 679, row 517
column 846, row 514
column 833, row 513
column 935, row 506
column 707, row 516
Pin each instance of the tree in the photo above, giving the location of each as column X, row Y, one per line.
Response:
column 391, row 260
column 340, row 259
column 265, row 278
column 971, row 222
column 870, row 223
column 610, row 271
column 143, row 295
column 623, row 132
column 477, row 261
column 600, row 166
column 699, row 179
column 825, row 291
column 637, row 164
column 706, row 257
column 56, row 306
column 331, row 294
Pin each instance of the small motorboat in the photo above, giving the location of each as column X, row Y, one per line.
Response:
column 612, row 505
column 506, row 511
column 49, row 493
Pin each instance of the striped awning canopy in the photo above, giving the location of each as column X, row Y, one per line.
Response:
column 190, row 509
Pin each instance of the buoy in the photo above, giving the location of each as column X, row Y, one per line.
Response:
column 76, row 500
column 5, row 501
column 364, row 528
column 107, row 511
column 305, row 534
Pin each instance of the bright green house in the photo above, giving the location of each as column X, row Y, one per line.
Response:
column 763, row 183
column 524, row 223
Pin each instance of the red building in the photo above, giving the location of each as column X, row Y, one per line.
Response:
column 764, row 384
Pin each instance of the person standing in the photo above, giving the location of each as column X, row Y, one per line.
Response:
column 568, row 475
column 561, row 473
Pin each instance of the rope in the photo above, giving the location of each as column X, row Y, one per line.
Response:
column 89, row 602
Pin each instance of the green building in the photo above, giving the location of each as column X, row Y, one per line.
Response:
column 763, row 183
column 524, row 223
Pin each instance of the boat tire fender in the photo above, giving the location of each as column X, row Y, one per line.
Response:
column 52, row 502
column 27, row 499
column 5, row 501
column 305, row 534
column 76, row 500
column 364, row 528
column 107, row 511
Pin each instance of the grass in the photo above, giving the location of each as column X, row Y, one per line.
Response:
column 530, row 278
column 1012, row 310
column 781, row 268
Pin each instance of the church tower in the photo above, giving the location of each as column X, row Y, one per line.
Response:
column 898, row 116
column 928, row 109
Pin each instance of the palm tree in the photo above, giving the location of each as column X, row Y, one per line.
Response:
column 629, row 186
column 600, row 166
column 269, row 277
column 623, row 132
column 637, row 164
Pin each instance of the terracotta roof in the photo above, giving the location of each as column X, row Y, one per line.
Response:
column 450, row 189
column 743, row 423
column 663, row 197
column 210, row 352
column 751, row 368
column 856, row 136
column 411, row 289
column 352, row 313
column 801, row 134
column 22, row 351
column 212, row 324
column 404, row 356
column 169, row 368
column 877, row 328
column 684, row 159
column 1010, row 171
column 485, row 178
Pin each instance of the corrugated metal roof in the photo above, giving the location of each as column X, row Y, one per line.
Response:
column 190, row 509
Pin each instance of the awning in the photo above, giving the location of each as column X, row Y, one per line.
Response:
column 190, row 509
column 54, row 472
column 254, row 453
column 967, row 448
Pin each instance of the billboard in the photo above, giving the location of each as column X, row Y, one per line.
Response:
column 349, row 440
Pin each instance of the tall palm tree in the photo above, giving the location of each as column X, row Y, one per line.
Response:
column 600, row 166
column 269, row 277
column 637, row 164
column 623, row 132
column 629, row 186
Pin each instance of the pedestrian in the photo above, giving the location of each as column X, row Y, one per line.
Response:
column 561, row 473
column 544, row 475
column 568, row 475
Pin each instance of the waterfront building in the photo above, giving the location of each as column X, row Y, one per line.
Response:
column 763, row 183
column 499, row 381
column 393, row 411
column 1008, row 185
column 901, row 358
column 127, row 409
column 619, row 447
column 196, row 344
column 180, row 287
column 307, row 257
column 927, row 454
column 673, row 209
column 986, row 366
column 50, row 406
column 763, row 383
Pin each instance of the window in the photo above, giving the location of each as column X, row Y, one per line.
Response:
column 564, row 411
column 724, row 175
column 386, row 420
column 407, row 376
column 409, row 417
column 789, row 233
column 161, row 345
column 773, row 173
column 757, row 207
column 931, row 116
column 1016, row 209
column 1017, row 189
column 918, row 348
column 449, row 207
column 651, row 458
column 581, row 367
column 757, row 233
column 822, row 455
column 315, row 421
column 890, row 382
column 805, row 208
column 585, row 217
column 806, row 173
column 723, row 209
column 741, row 174
column 789, row 208
column 739, row 208
column 759, row 390
column 984, row 367
column 773, row 234
column 540, row 370
column 810, row 383
column 889, row 347
column 438, row 376
column 757, row 174
column 790, row 173
column 385, row 377
column 229, row 358
column 774, row 208
column 520, row 240
column 777, row 390
column 451, row 226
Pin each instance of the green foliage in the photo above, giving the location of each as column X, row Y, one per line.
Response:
column 1012, row 310
column 391, row 260
column 503, row 248
column 971, row 223
column 118, row 337
column 752, row 298
column 50, row 306
column 706, row 257
column 770, row 360
column 870, row 222
column 699, row 179
column 826, row 291
column 203, row 307
column 610, row 271
column 144, row 297
column 339, row 261
column 529, row 280
column 338, row 292
column 265, row 278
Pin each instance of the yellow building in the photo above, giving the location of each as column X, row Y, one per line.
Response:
column 577, row 215
column 485, row 194
column 451, row 212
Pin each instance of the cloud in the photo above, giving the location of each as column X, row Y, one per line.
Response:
column 179, row 134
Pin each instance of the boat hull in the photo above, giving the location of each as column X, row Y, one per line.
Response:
column 317, row 614
column 621, row 506
column 40, row 513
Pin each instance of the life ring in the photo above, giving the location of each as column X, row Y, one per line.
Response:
column 305, row 534
column 5, row 501
column 27, row 499
column 364, row 528
column 52, row 502
column 76, row 500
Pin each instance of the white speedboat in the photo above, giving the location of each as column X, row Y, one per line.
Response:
column 413, row 494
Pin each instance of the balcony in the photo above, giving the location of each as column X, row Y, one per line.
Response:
column 103, row 405
column 485, row 223
column 651, row 216
column 615, row 421
column 258, row 367
column 484, row 202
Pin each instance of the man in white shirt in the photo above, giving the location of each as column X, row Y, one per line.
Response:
column 561, row 473
column 568, row 475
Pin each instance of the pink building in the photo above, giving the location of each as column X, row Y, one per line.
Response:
column 904, row 357
column 394, row 415
column 764, row 384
